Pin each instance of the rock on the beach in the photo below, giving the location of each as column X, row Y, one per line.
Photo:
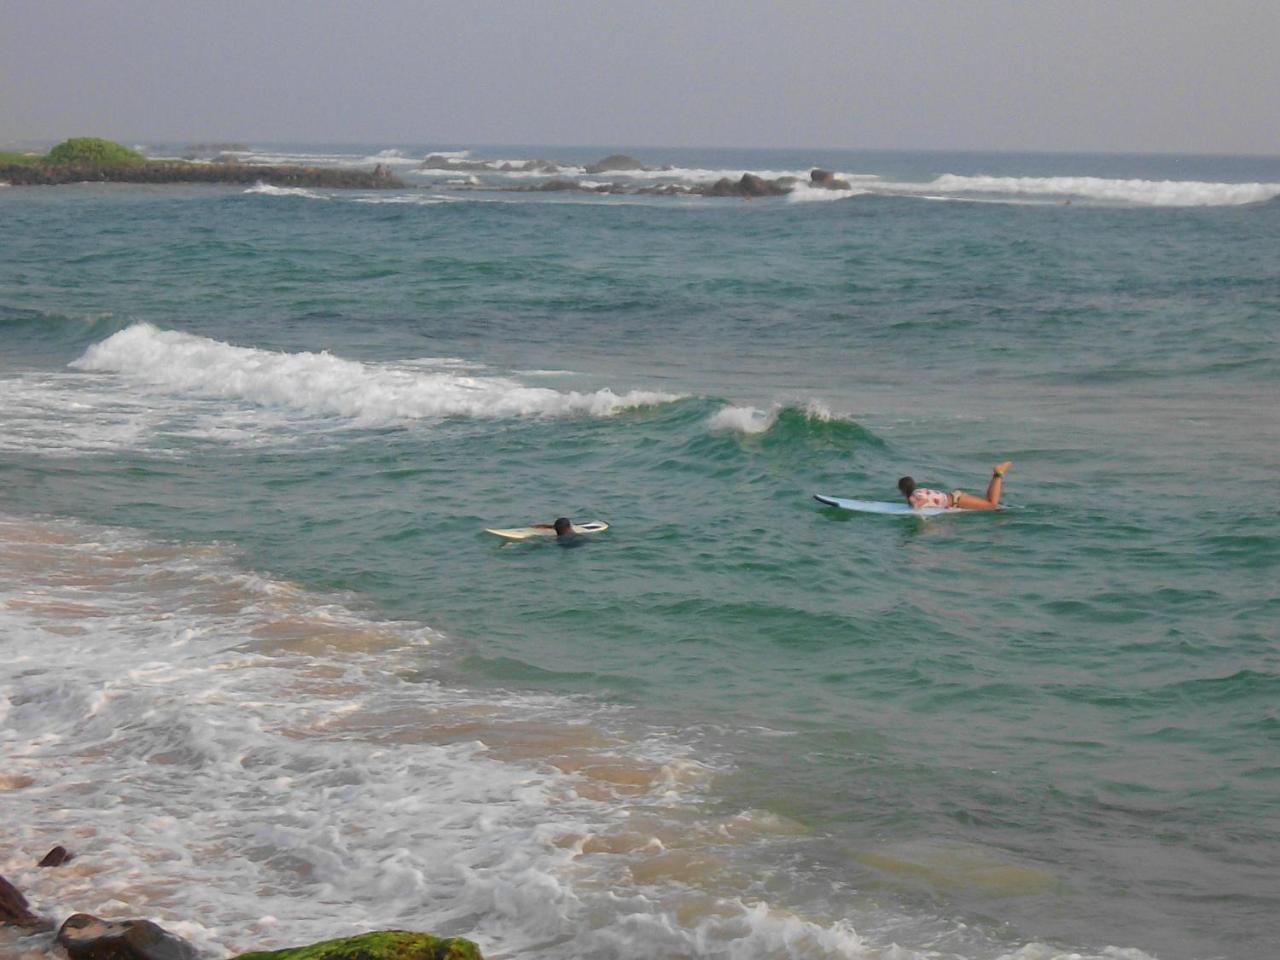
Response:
column 86, row 937
column 56, row 857
column 382, row 945
column 615, row 161
column 15, row 912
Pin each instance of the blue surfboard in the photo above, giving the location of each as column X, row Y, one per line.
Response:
column 897, row 507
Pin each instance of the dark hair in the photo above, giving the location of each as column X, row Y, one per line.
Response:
column 562, row 526
column 907, row 486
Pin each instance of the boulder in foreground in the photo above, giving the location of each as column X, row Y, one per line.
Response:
column 15, row 912
column 86, row 937
column 382, row 945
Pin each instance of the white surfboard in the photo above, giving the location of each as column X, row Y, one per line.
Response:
column 884, row 506
column 524, row 533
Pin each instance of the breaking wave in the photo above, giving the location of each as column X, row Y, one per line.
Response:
column 324, row 385
column 1155, row 193
column 268, row 190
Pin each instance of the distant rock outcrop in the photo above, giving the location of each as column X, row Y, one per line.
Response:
column 616, row 162
column 751, row 185
column 827, row 180
column 47, row 174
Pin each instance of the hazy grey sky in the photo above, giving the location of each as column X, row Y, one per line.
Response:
column 1105, row 75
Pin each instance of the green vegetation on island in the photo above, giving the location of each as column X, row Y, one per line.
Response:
column 93, row 150
column 84, row 159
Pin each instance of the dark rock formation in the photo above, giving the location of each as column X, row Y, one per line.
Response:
column 384, row 945
column 85, row 937
column 827, row 180
column 15, row 912
column 56, row 857
column 558, row 186
column 530, row 166
column 178, row 172
column 615, row 161
column 561, row 185
column 750, row 185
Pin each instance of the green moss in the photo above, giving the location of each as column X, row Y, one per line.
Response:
column 25, row 158
column 92, row 150
column 382, row 945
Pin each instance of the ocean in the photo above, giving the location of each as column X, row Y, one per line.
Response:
column 269, row 678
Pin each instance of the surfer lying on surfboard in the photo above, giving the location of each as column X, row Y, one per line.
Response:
column 563, row 527
column 921, row 497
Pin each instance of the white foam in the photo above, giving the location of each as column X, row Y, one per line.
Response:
column 805, row 193
column 320, row 384
column 241, row 760
column 269, row 190
column 743, row 419
column 752, row 420
column 1155, row 193
column 389, row 158
column 411, row 199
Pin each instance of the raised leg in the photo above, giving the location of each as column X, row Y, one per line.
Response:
column 967, row 501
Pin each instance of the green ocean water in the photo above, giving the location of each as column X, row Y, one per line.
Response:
column 1055, row 725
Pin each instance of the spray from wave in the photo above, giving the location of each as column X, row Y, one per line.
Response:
column 753, row 420
column 320, row 384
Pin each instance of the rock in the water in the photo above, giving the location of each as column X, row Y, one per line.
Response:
column 750, row 185
column 85, row 937
column 15, row 912
column 615, row 161
column 383, row 945
column 56, row 857
column 827, row 180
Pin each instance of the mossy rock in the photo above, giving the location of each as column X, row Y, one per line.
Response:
column 93, row 150
column 383, row 945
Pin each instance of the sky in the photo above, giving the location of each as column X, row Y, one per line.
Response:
column 1178, row 76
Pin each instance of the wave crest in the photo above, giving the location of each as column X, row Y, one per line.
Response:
column 324, row 385
column 267, row 189
column 786, row 423
column 1156, row 193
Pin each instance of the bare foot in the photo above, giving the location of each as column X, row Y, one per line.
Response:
column 1001, row 467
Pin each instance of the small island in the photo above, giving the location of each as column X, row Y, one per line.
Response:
column 91, row 159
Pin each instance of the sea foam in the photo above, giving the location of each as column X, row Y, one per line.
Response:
column 752, row 420
column 321, row 384
column 1156, row 193
column 269, row 190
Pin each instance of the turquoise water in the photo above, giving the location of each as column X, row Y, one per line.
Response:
column 1050, row 731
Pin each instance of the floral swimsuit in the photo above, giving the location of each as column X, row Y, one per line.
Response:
column 923, row 497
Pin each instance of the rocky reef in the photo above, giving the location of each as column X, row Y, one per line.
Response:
column 748, row 186
column 49, row 174
column 86, row 937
